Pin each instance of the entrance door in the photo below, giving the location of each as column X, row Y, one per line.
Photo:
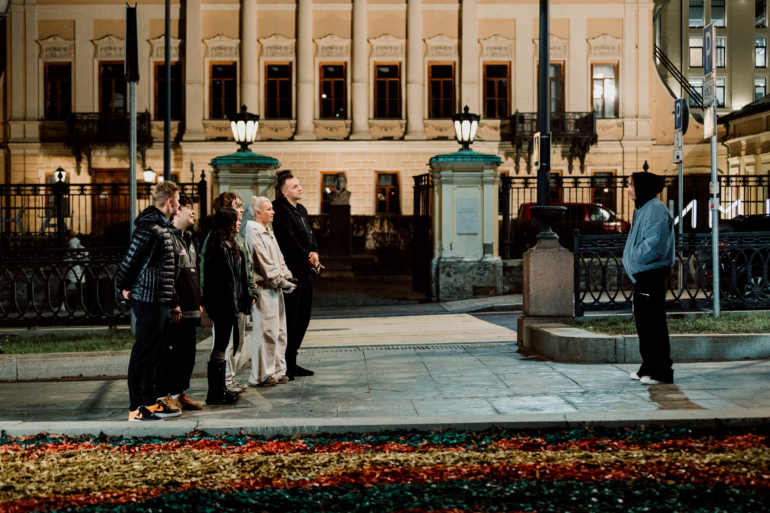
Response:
column 696, row 187
column 110, row 203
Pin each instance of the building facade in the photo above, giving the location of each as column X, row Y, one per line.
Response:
column 362, row 87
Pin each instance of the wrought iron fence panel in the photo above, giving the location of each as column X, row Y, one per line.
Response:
column 602, row 284
column 60, row 286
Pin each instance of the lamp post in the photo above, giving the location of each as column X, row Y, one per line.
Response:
column 245, row 127
column 466, row 125
column 149, row 175
column 59, row 191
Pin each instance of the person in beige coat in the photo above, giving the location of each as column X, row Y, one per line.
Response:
column 268, row 343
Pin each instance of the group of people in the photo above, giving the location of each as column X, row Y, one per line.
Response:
column 241, row 270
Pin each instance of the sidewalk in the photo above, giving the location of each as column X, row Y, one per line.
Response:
column 483, row 380
column 507, row 303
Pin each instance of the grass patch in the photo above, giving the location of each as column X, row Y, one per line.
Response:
column 119, row 341
column 689, row 324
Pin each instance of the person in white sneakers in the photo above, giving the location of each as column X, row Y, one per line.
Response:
column 268, row 344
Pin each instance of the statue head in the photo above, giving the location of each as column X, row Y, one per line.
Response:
column 342, row 182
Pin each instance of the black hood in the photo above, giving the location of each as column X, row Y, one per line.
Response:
column 647, row 186
column 152, row 215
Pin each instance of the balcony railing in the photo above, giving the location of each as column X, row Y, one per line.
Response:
column 88, row 130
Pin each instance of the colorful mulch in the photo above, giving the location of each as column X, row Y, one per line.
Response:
column 656, row 470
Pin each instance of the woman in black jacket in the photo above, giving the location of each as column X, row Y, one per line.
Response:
column 226, row 294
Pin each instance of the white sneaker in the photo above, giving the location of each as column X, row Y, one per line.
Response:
column 634, row 376
column 649, row 381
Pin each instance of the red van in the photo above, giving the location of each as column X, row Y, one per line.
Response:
column 585, row 212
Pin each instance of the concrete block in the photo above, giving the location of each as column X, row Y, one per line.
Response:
column 61, row 365
column 568, row 344
column 464, row 278
column 702, row 418
column 707, row 347
column 548, row 282
column 8, row 367
column 122, row 428
column 522, row 333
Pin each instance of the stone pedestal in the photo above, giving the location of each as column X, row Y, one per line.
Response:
column 339, row 263
column 465, row 260
column 246, row 173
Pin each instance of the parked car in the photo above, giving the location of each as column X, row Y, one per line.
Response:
column 585, row 212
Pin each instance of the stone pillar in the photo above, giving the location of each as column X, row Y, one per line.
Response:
column 83, row 72
column 246, row 173
column 16, row 67
column 360, row 128
column 469, row 89
column 249, row 57
column 415, row 128
column 305, row 72
column 194, row 72
column 466, row 262
column 30, row 19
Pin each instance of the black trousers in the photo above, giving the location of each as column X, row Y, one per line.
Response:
column 222, row 329
column 151, row 330
column 177, row 359
column 298, row 305
column 650, row 317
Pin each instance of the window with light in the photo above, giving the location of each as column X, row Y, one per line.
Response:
column 605, row 95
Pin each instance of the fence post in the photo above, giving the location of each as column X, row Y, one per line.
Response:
column 576, row 272
column 59, row 190
column 507, row 186
column 203, row 190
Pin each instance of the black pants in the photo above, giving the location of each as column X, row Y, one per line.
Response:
column 650, row 318
column 151, row 330
column 298, row 305
column 222, row 329
column 177, row 359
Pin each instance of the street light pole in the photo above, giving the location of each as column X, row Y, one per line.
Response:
column 544, row 108
column 167, row 121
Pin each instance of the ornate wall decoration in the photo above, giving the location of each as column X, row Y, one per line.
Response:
column 56, row 48
column 110, row 47
column 387, row 46
column 332, row 46
column 277, row 46
column 159, row 47
column 605, row 46
column 558, row 47
column 222, row 46
column 441, row 46
column 496, row 46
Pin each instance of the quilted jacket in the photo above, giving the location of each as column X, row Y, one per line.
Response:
column 147, row 269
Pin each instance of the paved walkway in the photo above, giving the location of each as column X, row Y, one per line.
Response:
column 442, row 379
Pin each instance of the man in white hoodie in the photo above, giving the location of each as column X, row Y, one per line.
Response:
column 268, row 342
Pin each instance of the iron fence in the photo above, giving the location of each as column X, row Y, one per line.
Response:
column 422, row 239
column 59, row 287
column 39, row 215
column 602, row 284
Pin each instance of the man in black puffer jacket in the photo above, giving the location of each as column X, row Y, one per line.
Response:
column 146, row 276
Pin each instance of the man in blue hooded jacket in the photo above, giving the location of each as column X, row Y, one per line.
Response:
column 648, row 258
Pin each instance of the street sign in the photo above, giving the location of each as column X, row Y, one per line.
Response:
column 708, row 91
column 678, row 140
column 709, row 52
column 536, row 150
column 709, row 122
column 678, row 156
column 681, row 115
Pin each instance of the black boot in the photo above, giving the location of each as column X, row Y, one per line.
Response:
column 218, row 393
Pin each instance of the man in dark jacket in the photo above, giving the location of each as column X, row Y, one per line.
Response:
column 146, row 277
column 177, row 360
column 647, row 259
column 298, row 245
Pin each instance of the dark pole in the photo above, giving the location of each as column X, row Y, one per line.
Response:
column 544, row 107
column 167, row 122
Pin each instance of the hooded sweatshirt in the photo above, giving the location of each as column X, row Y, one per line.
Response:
column 650, row 245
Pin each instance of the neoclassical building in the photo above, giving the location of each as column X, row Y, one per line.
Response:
column 361, row 87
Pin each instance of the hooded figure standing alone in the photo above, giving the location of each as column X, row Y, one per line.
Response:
column 648, row 258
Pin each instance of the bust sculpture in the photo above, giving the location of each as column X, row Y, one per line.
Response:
column 341, row 195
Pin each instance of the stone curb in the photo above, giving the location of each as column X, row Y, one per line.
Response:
column 738, row 417
column 564, row 343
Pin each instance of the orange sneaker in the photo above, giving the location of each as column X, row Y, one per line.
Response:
column 163, row 410
column 142, row 414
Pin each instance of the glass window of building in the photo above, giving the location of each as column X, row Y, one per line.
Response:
column 760, row 88
column 603, row 190
column 556, row 78
column 58, row 91
column 718, row 13
column 334, row 97
column 176, row 91
column 760, row 52
column 387, row 91
column 696, row 13
column 557, row 186
column 760, row 13
column 278, row 90
column 696, row 52
column 605, row 97
column 696, row 84
column 223, row 90
column 497, row 91
column 387, row 194
column 328, row 184
column 720, row 92
column 721, row 51
column 112, row 88
column 441, row 92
